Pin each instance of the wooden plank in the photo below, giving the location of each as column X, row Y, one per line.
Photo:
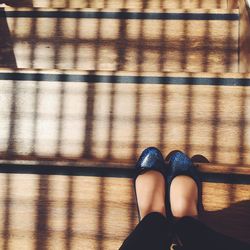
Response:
column 223, row 168
column 67, row 212
column 244, row 37
column 232, row 4
column 114, row 118
column 58, row 164
column 128, row 4
column 175, row 44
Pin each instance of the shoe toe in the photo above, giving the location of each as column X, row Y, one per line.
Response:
column 151, row 158
column 181, row 164
column 180, row 161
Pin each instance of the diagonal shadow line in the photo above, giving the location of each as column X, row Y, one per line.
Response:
column 164, row 93
column 7, row 214
column 140, row 55
column 35, row 118
column 90, row 101
column 89, row 118
column 215, row 123
column 32, row 37
column 19, row 3
column 227, row 46
column 110, row 140
column 42, row 214
column 60, row 121
column 11, row 149
column 105, row 4
column 207, row 40
column 101, row 213
column 243, row 127
column 68, row 3
column 7, row 56
column 70, row 206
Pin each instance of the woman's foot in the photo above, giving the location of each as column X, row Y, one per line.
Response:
column 184, row 186
column 150, row 191
column 183, row 197
column 150, row 186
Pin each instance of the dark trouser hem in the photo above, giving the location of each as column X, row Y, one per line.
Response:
column 196, row 236
column 152, row 233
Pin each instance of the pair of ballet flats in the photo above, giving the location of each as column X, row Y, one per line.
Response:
column 178, row 164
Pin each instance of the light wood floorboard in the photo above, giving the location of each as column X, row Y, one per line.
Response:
column 115, row 122
column 123, row 44
column 63, row 212
column 142, row 4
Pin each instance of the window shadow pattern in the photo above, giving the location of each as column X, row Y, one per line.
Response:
column 106, row 44
column 136, row 4
column 72, row 212
column 40, row 40
column 74, row 121
column 113, row 120
column 66, row 212
column 112, row 117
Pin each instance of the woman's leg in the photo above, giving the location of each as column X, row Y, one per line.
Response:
column 153, row 232
column 194, row 234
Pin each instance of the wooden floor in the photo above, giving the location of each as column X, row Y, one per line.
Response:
column 113, row 116
column 79, row 212
column 182, row 40
column 85, row 86
column 142, row 4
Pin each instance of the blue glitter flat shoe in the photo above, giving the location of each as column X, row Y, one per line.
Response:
column 180, row 164
column 150, row 159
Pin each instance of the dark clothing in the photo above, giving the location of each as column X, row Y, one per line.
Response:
column 152, row 233
column 155, row 232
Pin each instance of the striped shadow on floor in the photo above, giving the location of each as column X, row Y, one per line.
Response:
column 107, row 171
column 119, row 15
column 93, row 109
column 94, row 78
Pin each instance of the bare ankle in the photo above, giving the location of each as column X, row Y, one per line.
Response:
column 150, row 190
column 184, row 197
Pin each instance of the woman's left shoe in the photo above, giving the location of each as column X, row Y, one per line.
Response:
column 180, row 164
column 150, row 159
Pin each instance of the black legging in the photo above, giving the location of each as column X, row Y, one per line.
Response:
column 155, row 232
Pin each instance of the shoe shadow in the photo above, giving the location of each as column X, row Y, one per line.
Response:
column 199, row 159
column 233, row 221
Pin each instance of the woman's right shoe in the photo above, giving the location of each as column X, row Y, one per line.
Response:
column 150, row 159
